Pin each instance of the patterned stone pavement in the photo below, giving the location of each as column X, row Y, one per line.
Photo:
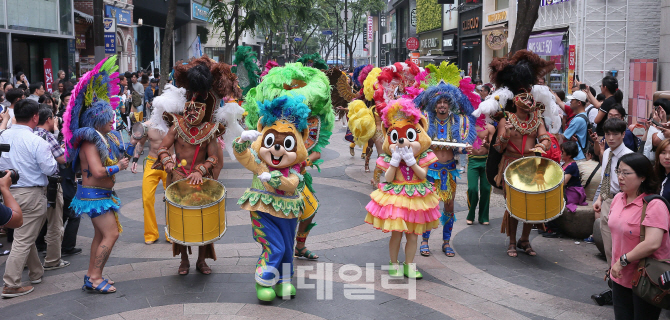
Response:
column 481, row 282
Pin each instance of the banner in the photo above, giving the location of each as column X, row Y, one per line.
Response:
column 546, row 45
column 370, row 29
column 157, row 47
column 48, row 75
column 196, row 50
column 572, row 61
column 109, row 26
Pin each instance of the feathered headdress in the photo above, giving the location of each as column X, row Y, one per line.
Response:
column 313, row 60
column 294, row 80
column 370, row 83
column 269, row 65
column 401, row 109
column 287, row 108
column 171, row 100
column 447, row 72
column 91, row 106
column 357, row 73
column 394, row 79
column 361, row 122
column 246, row 68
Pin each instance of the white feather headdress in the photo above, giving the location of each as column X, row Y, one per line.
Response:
column 172, row 100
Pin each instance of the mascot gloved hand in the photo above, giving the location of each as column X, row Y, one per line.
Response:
column 274, row 154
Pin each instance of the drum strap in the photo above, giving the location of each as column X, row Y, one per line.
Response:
column 525, row 136
column 197, row 149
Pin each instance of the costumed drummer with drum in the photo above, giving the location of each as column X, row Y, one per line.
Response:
column 194, row 136
column 521, row 130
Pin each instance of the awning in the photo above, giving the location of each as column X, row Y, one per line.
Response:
column 433, row 58
column 495, row 26
column 87, row 17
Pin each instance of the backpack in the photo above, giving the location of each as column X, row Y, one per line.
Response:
column 588, row 137
column 554, row 152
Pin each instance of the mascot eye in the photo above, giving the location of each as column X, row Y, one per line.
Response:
column 394, row 136
column 289, row 143
column 411, row 135
column 269, row 140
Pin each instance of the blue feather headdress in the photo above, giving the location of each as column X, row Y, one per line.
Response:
column 287, row 108
column 94, row 99
column 357, row 72
column 460, row 111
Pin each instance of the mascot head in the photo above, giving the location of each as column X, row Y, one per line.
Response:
column 283, row 125
column 404, row 126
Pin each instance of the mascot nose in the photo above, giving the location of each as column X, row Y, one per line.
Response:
column 401, row 140
column 277, row 147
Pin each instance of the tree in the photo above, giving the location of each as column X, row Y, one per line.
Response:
column 527, row 14
column 166, row 48
column 248, row 15
column 356, row 23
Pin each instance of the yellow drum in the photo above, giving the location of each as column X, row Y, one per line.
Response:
column 311, row 204
column 195, row 215
column 534, row 189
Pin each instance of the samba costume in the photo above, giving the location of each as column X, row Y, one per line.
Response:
column 458, row 127
column 206, row 82
column 404, row 202
column 514, row 78
column 91, row 107
column 275, row 199
column 294, row 80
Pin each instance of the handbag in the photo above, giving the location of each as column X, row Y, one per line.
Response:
column 645, row 282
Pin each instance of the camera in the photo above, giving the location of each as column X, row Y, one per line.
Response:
column 52, row 189
column 4, row 147
column 582, row 86
column 664, row 280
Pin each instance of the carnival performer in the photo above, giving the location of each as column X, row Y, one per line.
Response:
column 479, row 188
column 521, row 131
column 449, row 107
column 405, row 201
column 294, row 80
column 194, row 136
column 172, row 100
column 94, row 150
column 274, row 155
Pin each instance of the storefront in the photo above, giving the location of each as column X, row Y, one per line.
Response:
column 553, row 46
column 470, row 42
column 450, row 28
column 33, row 35
column 495, row 35
column 430, row 48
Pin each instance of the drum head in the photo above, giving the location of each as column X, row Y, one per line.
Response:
column 183, row 194
column 138, row 130
column 534, row 175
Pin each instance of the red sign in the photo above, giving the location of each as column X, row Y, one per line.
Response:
column 48, row 75
column 412, row 44
column 415, row 57
column 572, row 61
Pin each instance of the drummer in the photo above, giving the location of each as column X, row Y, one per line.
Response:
column 516, row 139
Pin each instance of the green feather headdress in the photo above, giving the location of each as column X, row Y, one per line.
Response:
column 316, row 95
column 246, row 69
column 448, row 72
column 313, row 60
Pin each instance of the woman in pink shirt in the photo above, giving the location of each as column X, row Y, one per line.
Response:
column 637, row 180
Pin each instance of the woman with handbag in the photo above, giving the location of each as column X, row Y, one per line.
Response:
column 639, row 231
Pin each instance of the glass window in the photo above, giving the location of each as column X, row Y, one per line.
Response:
column 66, row 23
column 2, row 15
column 502, row 4
column 33, row 15
column 4, row 57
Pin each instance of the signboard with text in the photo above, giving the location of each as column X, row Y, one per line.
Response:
column 48, row 75
column 415, row 57
column 412, row 44
column 369, row 29
column 572, row 61
column 109, row 26
column 122, row 16
column 199, row 12
column 550, row 2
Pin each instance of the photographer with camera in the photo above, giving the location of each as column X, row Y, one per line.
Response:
column 51, row 235
column 10, row 212
column 31, row 158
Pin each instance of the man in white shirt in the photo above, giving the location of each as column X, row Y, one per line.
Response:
column 31, row 157
column 614, row 129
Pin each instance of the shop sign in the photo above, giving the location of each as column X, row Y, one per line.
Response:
column 449, row 17
column 415, row 57
column 199, row 12
column 550, row 2
column 70, row 46
column 429, row 43
column 80, row 39
column 546, row 45
column 370, row 28
column 572, row 61
column 412, row 17
column 448, row 42
column 497, row 17
column 471, row 23
column 496, row 39
column 48, row 75
column 110, row 35
column 122, row 16
column 412, row 44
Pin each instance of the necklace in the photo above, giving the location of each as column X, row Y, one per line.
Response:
column 525, row 127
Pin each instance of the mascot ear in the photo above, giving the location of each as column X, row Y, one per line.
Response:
column 259, row 126
column 423, row 123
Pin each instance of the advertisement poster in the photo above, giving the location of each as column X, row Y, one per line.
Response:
column 157, row 47
column 370, row 28
column 110, row 35
column 572, row 59
column 415, row 57
column 48, row 75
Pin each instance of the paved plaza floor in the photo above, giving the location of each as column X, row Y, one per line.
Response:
column 347, row 282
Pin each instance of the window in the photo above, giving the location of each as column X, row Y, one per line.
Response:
column 66, row 17
column 33, row 15
column 502, row 4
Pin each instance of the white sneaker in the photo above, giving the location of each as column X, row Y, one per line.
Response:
column 61, row 264
column 36, row 281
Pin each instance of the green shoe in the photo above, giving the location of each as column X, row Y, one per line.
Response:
column 265, row 293
column 285, row 290
column 411, row 271
column 395, row 271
